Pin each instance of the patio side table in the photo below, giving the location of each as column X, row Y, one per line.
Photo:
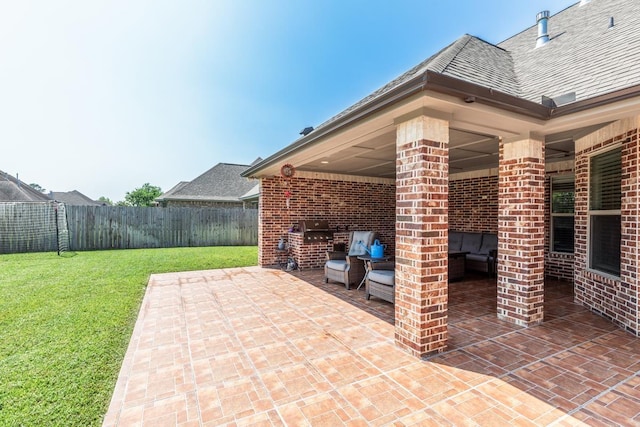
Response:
column 367, row 259
column 457, row 263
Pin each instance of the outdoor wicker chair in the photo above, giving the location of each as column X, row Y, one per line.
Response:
column 380, row 281
column 346, row 267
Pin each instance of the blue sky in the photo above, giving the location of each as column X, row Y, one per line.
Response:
column 104, row 96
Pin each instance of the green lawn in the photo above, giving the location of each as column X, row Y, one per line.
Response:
column 65, row 324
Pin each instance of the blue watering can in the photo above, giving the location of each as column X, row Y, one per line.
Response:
column 377, row 250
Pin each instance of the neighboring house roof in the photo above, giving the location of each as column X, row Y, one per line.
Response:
column 585, row 55
column 173, row 189
column 14, row 190
column 73, row 198
column 221, row 183
column 253, row 194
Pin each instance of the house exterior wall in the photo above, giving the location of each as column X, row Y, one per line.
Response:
column 352, row 204
column 613, row 297
column 473, row 204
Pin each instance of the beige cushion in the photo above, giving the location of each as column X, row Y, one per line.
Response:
column 335, row 264
column 386, row 277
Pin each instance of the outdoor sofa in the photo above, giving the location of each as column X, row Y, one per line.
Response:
column 481, row 248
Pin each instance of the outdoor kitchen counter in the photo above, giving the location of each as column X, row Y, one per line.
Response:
column 312, row 255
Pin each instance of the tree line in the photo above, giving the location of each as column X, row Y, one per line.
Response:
column 142, row 196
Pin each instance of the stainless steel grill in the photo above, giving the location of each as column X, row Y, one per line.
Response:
column 315, row 231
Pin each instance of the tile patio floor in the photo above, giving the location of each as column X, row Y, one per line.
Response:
column 253, row 346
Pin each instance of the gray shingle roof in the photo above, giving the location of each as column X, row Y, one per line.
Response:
column 254, row 193
column 484, row 64
column 437, row 62
column 583, row 55
column 174, row 189
column 73, row 198
column 220, row 183
column 13, row 190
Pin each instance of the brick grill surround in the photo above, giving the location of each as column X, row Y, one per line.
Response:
column 352, row 204
column 313, row 255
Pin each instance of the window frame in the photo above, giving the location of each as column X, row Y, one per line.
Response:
column 552, row 215
column 595, row 213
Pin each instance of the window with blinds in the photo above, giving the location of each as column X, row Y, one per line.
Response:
column 605, row 196
column 562, row 213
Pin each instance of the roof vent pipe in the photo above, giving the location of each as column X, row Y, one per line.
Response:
column 306, row 131
column 543, row 35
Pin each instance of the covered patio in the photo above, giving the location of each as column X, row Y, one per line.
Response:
column 255, row 346
column 530, row 140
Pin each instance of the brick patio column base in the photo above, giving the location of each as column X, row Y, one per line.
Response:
column 521, row 231
column 422, row 186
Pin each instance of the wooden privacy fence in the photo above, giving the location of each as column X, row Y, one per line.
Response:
column 119, row 227
column 28, row 227
column 36, row 227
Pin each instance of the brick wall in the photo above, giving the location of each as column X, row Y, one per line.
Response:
column 313, row 255
column 614, row 298
column 473, row 204
column 356, row 205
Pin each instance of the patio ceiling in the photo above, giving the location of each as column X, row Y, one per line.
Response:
column 468, row 151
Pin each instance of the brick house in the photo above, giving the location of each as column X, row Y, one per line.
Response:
column 535, row 139
column 74, row 198
column 222, row 186
column 14, row 190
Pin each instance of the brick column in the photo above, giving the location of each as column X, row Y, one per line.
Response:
column 521, row 231
column 422, row 189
